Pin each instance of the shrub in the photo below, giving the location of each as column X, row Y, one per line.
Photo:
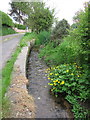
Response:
column 7, row 30
column 6, row 20
column 43, row 38
column 69, row 51
column 19, row 26
column 70, row 80
column 60, row 30
column 46, row 51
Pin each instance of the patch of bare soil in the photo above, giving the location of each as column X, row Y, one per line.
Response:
column 22, row 104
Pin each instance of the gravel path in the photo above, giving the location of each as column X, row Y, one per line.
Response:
column 47, row 105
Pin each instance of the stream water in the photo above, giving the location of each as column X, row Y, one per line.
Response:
column 47, row 106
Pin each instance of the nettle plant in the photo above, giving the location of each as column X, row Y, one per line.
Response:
column 69, row 79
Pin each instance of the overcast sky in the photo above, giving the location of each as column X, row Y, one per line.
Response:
column 63, row 8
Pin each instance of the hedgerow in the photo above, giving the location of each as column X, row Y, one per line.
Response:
column 6, row 20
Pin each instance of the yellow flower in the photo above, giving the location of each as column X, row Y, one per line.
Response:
column 67, row 70
column 49, row 78
column 54, row 81
column 62, row 82
column 56, row 74
column 50, row 84
column 55, row 84
column 58, row 81
column 78, row 76
column 51, row 73
column 72, row 74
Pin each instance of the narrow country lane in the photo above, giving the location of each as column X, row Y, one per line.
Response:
column 8, row 45
column 47, row 106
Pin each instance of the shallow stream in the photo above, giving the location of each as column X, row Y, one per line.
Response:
column 47, row 106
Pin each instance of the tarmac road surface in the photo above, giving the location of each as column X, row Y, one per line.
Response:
column 8, row 45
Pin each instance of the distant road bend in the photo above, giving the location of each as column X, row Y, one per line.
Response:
column 9, row 44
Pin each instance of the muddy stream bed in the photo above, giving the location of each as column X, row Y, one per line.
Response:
column 47, row 106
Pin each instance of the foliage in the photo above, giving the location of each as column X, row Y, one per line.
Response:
column 70, row 79
column 6, row 112
column 79, row 111
column 7, row 30
column 6, row 20
column 43, row 38
column 6, row 23
column 67, row 78
column 39, row 17
column 33, row 14
column 67, row 52
column 17, row 11
column 60, row 30
column 48, row 53
column 74, row 47
column 19, row 26
column 83, row 33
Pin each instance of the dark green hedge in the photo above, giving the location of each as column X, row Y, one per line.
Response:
column 7, row 31
column 19, row 26
column 6, row 20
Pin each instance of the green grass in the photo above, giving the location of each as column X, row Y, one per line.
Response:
column 6, row 104
column 7, row 70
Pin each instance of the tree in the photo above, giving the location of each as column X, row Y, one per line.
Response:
column 61, row 29
column 18, row 11
column 39, row 17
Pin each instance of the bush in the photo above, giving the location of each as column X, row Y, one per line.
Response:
column 19, row 26
column 7, row 30
column 68, row 51
column 60, row 30
column 67, row 78
column 70, row 80
column 43, row 38
column 27, row 37
column 6, row 20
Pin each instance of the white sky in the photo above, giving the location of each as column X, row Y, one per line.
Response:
column 63, row 8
